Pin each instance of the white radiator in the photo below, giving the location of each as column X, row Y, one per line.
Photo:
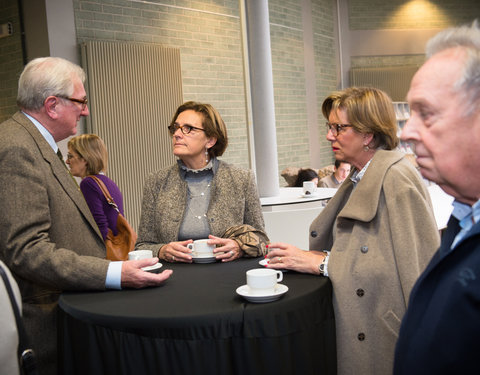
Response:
column 133, row 91
column 394, row 80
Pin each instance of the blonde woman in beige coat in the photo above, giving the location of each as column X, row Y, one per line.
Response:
column 374, row 237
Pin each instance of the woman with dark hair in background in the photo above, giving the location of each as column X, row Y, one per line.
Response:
column 307, row 174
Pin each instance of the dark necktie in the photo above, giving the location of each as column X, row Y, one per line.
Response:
column 60, row 156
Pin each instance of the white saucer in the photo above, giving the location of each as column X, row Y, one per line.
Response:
column 204, row 259
column 264, row 263
column 244, row 291
column 154, row 269
column 309, row 195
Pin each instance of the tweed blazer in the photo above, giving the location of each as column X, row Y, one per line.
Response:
column 234, row 201
column 48, row 237
column 381, row 236
column 441, row 329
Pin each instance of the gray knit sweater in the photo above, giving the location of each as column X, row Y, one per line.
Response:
column 234, row 201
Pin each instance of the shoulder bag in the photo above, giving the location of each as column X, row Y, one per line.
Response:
column 120, row 245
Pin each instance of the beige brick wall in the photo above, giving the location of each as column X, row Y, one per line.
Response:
column 208, row 35
column 323, row 14
column 11, row 61
column 401, row 14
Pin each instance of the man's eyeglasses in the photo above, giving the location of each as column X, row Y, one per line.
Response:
column 186, row 129
column 336, row 128
column 83, row 101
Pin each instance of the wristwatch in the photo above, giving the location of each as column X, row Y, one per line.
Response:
column 323, row 267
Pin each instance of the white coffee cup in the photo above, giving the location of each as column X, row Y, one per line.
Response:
column 263, row 280
column 309, row 187
column 140, row 254
column 201, row 249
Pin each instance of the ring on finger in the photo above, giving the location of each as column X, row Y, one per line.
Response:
column 232, row 253
column 279, row 259
column 173, row 258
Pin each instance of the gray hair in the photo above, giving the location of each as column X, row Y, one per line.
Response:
column 46, row 76
column 468, row 38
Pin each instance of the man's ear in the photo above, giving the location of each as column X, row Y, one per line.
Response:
column 50, row 105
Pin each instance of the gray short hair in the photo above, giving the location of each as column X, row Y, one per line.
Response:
column 468, row 38
column 46, row 76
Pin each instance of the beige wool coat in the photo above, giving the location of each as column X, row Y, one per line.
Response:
column 234, row 201
column 381, row 236
column 48, row 237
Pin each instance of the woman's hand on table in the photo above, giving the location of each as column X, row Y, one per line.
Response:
column 134, row 277
column 176, row 252
column 226, row 250
column 285, row 256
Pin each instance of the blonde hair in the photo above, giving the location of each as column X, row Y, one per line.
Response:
column 369, row 111
column 92, row 149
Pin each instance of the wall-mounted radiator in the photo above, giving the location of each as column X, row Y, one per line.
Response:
column 394, row 80
column 133, row 91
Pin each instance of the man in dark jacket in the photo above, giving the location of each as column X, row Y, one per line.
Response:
column 441, row 329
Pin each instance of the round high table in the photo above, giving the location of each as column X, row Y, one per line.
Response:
column 196, row 324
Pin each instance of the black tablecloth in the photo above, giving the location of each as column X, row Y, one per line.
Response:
column 197, row 324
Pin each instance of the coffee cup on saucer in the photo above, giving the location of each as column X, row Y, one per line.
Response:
column 309, row 187
column 262, row 281
column 140, row 254
column 201, row 249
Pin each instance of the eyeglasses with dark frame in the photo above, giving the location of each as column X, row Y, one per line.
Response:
column 186, row 129
column 336, row 128
column 83, row 101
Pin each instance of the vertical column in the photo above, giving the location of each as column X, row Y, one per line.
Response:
column 263, row 107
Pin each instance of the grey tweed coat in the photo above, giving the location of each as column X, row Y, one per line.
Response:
column 382, row 235
column 234, row 201
column 48, row 237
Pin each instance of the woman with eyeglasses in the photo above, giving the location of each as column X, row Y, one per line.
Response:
column 201, row 197
column 374, row 237
column 88, row 156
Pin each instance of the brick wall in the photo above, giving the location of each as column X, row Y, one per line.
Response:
column 208, row 35
column 286, row 32
column 401, row 14
column 11, row 60
column 323, row 14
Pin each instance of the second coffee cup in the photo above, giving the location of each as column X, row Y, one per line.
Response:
column 201, row 249
column 140, row 254
column 262, row 281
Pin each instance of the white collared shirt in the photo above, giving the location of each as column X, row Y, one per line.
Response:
column 468, row 216
column 358, row 175
column 44, row 132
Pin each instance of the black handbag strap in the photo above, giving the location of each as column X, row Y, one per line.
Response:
column 26, row 355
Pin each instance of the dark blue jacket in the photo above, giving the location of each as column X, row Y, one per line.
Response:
column 440, row 333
